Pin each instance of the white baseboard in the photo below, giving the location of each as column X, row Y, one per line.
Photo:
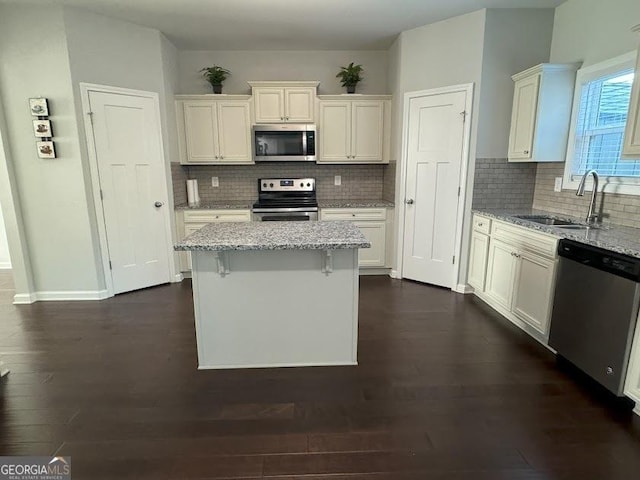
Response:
column 177, row 278
column 5, row 265
column 395, row 274
column 24, row 298
column 374, row 271
column 463, row 288
column 64, row 296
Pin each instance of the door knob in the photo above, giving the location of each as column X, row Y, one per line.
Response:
column 409, row 201
column 158, row 204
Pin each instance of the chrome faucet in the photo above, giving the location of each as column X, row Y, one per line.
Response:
column 591, row 217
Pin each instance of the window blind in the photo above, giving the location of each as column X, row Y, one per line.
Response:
column 602, row 117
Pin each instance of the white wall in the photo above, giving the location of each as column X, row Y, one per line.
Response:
column 438, row 55
column 591, row 31
column 282, row 65
column 51, row 193
column 58, row 216
column 514, row 40
column 5, row 259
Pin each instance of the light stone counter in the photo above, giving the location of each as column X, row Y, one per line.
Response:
column 275, row 236
column 625, row 240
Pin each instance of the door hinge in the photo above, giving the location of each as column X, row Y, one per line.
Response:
column 90, row 117
column 110, row 266
column 459, row 188
column 464, row 116
column 101, row 195
column 454, row 260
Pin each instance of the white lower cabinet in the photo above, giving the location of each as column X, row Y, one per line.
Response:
column 478, row 260
column 501, row 271
column 520, row 273
column 533, row 290
column 372, row 224
column 632, row 383
column 190, row 221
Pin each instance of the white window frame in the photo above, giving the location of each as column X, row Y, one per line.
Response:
column 610, row 184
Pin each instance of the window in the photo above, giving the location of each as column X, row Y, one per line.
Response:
column 599, row 118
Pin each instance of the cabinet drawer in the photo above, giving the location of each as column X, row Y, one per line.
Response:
column 525, row 238
column 353, row 214
column 481, row 224
column 208, row 216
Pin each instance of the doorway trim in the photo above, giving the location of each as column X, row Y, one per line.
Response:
column 464, row 172
column 85, row 89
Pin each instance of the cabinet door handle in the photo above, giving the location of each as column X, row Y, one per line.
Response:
column 526, row 152
column 480, row 224
column 281, row 118
column 221, row 157
column 217, row 157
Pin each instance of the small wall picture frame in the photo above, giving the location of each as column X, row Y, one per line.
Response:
column 39, row 107
column 46, row 149
column 42, row 128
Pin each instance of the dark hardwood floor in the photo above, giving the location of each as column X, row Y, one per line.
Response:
column 445, row 389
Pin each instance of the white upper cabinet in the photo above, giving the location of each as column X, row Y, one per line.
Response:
column 214, row 131
column 541, row 114
column 354, row 130
column 282, row 102
column 631, row 145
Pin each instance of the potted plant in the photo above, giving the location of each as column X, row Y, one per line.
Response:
column 350, row 76
column 215, row 76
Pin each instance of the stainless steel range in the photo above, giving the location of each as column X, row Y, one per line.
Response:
column 286, row 200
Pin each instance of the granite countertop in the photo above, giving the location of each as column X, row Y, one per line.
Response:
column 625, row 240
column 328, row 203
column 275, row 236
column 350, row 203
column 216, row 206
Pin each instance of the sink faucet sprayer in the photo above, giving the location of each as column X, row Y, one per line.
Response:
column 591, row 217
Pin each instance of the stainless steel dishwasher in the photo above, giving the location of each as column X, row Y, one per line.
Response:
column 595, row 310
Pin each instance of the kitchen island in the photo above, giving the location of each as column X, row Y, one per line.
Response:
column 275, row 294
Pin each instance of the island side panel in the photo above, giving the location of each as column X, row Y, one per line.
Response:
column 276, row 308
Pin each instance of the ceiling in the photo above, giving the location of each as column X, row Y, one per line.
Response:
column 287, row 24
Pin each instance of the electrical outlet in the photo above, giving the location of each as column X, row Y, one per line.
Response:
column 558, row 185
column 215, row 182
column 337, row 180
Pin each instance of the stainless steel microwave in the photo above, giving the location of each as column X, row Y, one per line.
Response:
column 286, row 142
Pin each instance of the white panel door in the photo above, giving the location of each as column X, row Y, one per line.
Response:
column 126, row 131
column 434, row 159
column 234, row 132
column 367, row 131
column 269, row 105
column 299, row 104
column 335, row 131
column 201, row 128
column 523, row 117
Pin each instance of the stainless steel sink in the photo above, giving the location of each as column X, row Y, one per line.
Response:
column 555, row 222
column 546, row 220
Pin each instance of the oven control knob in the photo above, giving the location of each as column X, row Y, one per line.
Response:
column 308, row 184
column 302, row 184
column 271, row 185
column 264, row 184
